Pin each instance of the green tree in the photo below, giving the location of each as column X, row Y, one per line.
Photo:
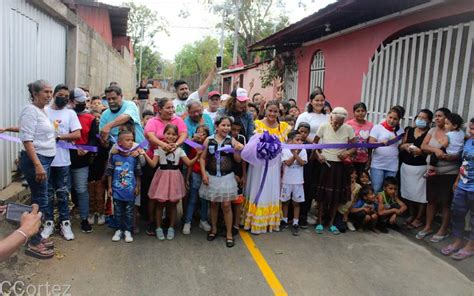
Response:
column 152, row 63
column 199, row 57
column 257, row 19
column 142, row 20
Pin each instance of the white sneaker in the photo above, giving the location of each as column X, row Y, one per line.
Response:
column 170, row 234
column 204, row 225
column 117, row 235
column 91, row 219
column 48, row 229
column 350, row 226
column 128, row 236
column 66, row 230
column 101, row 220
column 187, row 228
column 311, row 220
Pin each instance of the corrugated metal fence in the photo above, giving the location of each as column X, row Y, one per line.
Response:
column 425, row 70
column 33, row 47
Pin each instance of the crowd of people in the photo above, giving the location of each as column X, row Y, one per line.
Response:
column 148, row 160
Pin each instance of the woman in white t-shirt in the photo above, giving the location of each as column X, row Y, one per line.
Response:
column 385, row 159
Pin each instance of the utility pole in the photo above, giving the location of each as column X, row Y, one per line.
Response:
column 236, row 32
column 141, row 55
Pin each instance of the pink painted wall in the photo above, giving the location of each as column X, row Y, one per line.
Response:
column 98, row 19
column 253, row 73
column 347, row 57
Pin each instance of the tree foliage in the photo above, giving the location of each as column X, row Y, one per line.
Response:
column 257, row 19
column 141, row 18
column 152, row 64
column 199, row 57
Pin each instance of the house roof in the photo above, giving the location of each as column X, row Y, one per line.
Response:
column 335, row 17
column 118, row 15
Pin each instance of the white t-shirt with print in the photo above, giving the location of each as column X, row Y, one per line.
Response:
column 173, row 158
column 64, row 121
column 180, row 105
column 293, row 174
column 385, row 158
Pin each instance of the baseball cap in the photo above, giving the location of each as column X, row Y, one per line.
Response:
column 240, row 94
column 78, row 95
column 213, row 93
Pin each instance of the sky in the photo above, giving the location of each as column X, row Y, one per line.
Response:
column 201, row 22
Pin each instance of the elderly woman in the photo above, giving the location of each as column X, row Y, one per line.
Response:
column 439, row 187
column 413, row 184
column 236, row 107
column 334, row 185
column 197, row 117
column 38, row 137
column 154, row 133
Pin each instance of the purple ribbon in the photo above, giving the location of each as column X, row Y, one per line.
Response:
column 61, row 144
column 141, row 145
column 193, row 144
column 268, row 148
column 342, row 146
column 10, row 138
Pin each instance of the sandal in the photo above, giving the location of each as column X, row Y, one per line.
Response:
column 48, row 243
column 422, row 234
column 437, row 238
column 39, row 252
column 462, row 254
column 211, row 236
column 229, row 242
column 333, row 229
column 414, row 225
column 449, row 250
column 319, row 229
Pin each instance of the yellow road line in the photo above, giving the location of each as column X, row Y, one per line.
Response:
column 267, row 272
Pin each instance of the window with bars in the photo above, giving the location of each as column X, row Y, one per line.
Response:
column 317, row 71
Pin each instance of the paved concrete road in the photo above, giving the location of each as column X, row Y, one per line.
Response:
column 159, row 93
column 349, row 264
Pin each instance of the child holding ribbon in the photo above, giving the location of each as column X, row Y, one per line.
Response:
column 167, row 186
column 218, row 178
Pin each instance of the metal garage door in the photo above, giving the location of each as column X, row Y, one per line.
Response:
column 426, row 70
column 33, row 47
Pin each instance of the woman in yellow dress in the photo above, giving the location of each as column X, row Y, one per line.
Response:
column 264, row 215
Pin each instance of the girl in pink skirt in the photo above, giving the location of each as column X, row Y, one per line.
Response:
column 167, row 186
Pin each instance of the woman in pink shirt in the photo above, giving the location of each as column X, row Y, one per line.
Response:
column 154, row 134
column 362, row 129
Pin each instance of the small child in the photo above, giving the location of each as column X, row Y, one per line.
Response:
column 308, row 169
column 452, row 142
column 292, row 181
column 290, row 120
column 342, row 216
column 364, row 210
column 294, row 111
column 364, row 178
column 389, row 205
column 167, row 186
column 218, row 179
column 193, row 183
column 240, row 172
column 123, row 171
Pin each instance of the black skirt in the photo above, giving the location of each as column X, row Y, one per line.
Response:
column 334, row 184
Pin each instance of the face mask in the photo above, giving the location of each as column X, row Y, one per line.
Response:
column 421, row 123
column 60, row 102
column 80, row 107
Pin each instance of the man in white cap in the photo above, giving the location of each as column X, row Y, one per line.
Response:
column 237, row 108
column 67, row 128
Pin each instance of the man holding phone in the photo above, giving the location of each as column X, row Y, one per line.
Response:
column 29, row 226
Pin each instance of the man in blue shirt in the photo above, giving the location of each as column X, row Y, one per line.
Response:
column 196, row 117
column 120, row 112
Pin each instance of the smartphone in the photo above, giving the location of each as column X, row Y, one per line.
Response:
column 15, row 210
column 219, row 62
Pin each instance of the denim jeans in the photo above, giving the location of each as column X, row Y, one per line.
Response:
column 463, row 202
column 196, row 180
column 79, row 183
column 377, row 176
column 123, row 214
column 59, row 184
column 39, row 191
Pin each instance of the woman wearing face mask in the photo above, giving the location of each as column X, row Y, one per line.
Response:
column 80, row 159
column 413, row 184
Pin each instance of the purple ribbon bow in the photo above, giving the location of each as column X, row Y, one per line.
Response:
column 268, row 148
